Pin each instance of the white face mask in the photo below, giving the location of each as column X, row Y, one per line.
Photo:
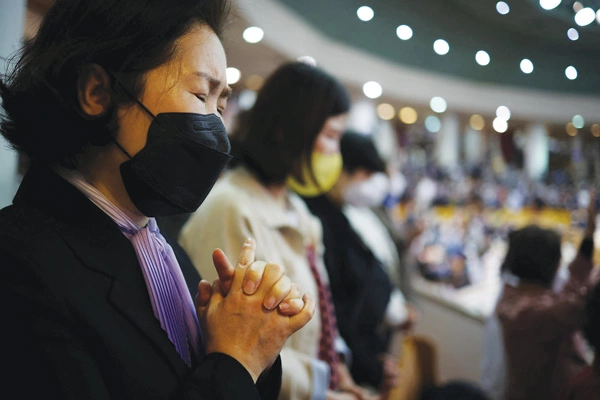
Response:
column 368, row 193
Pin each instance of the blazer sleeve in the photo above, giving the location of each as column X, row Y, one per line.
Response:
column 220, row 376
column 47, row 357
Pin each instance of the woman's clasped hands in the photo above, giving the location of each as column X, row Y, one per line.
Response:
column 251, row 310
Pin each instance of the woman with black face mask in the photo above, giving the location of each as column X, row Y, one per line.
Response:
column 118, row 105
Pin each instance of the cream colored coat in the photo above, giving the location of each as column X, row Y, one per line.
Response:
column 240, row 207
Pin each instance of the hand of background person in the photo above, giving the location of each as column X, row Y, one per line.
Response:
column 240, row 324
column 590, row 228
column 391, row 373
column 348, row 386
column 411, row 319
column 331, row 395
column 291, row 304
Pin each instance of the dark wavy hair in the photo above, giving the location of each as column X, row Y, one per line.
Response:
column 533, row 254
column 42, row 118
column 275, row 136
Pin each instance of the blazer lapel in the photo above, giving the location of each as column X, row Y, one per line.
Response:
column 100, row 245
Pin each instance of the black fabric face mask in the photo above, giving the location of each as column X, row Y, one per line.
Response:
column 183, row 157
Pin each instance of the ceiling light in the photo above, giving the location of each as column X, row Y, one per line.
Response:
column 441, row 47
column 502, row 8
column 526, row 66
column 503, row 112
column 386, row 111
column 404, row 32
column 549, row 4
column 438, row 104
column 308, row 60
column 571, row 130
column 408, row 115
column 372, row 89
column 595, row 130
column 598, row 16
column 477, row 122
column 482, row 57
column 500, row 125
column 573, row 34
column 433, row 124
column 233, row 75
column 254, row 82
column 253, row 34
column 246, row 99
column 585, row 16
column 578, row 121
column 577, row 6
column 571, row 72
column 365, row 13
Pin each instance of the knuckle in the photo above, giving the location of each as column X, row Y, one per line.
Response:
column 275, row 268
column 253, row 275
column 243, row 261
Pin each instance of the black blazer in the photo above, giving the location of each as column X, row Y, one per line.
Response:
column 77, row 322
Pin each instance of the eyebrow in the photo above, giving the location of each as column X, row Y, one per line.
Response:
column 214, row 82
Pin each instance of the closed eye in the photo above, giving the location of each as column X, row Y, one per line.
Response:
column 201, row 97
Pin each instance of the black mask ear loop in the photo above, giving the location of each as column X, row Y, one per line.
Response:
column 139, row 103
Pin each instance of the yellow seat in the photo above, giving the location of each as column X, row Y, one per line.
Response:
column 419, row 368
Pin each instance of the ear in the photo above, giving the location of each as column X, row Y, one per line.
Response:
column 93, row 90
column 361, row 174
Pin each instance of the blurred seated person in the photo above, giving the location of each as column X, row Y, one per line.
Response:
column 586, row 384
column 439, row 263
column 368, row 306
column 539, row 325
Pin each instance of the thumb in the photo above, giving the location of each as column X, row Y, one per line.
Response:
column 217, row 294
column 299, row 320
column 224, row 269
column 204, row 293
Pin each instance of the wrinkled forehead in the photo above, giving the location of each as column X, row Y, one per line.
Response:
column 200, row 50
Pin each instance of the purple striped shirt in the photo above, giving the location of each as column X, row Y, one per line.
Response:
column 170, row 297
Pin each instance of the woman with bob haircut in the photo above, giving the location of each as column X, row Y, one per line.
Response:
column 118, row 106
column 290, row 138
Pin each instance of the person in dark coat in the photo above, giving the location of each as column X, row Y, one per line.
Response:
column 117, row 104
column 367, row 304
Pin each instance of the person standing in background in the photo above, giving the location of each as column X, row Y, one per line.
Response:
column 538, row 325
column 369, row 307
column 290, row 138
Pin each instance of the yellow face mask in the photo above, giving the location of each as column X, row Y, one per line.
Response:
column 327, row 169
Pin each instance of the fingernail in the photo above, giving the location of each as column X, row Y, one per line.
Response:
column 284, row 306
column 270, row 302
column 249, row 287
column 248, row 241
column 297, row 302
